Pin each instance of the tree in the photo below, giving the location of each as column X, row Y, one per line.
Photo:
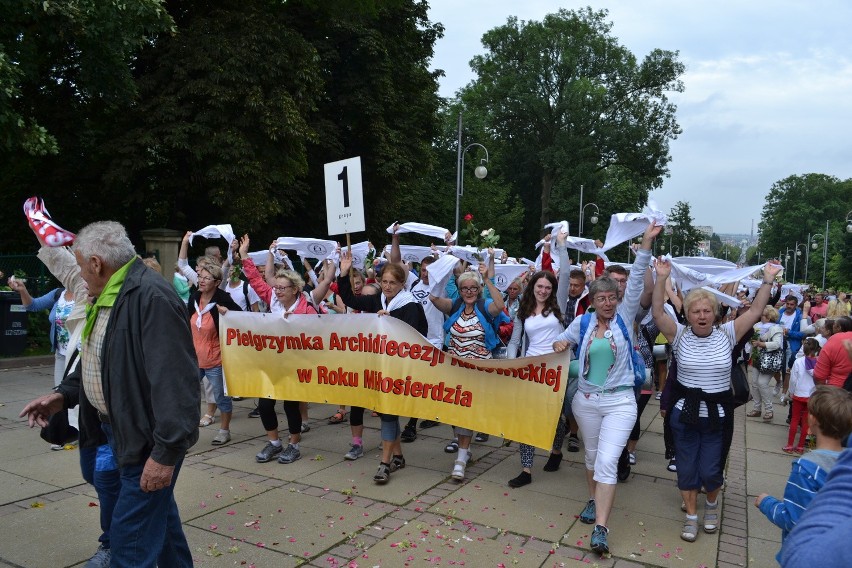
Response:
column 683, row 233
column 569, row 103
column 798, row 207
column 66, row 56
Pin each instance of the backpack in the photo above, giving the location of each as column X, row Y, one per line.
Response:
column 638, row 362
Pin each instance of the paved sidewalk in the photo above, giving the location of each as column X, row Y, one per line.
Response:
column 323, row 511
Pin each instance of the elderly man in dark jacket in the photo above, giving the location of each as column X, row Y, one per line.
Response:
column 139, row 386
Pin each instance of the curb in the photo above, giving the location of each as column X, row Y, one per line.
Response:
column 21, row 362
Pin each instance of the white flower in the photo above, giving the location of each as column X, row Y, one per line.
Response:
column 485, row 232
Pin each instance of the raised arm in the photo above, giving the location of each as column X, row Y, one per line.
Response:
column 443, row 304
column 269, row 267
column 746, row 321
column 183, row 262
column 667, row 326
column 319, row 293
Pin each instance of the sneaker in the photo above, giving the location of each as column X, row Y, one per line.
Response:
column 222, row 437
column 409, row 434
column 305, row 428
column 599, row 541
column 589, row 513
column 289, row 455
column 481, row 437
column 452, row 447
column 354, row 453
column 57, row 447
column 672, row 465
column 254, row 413
column 573, row 443
column 523, row 479
column 658, row 396
column 631, row 458
column 711, row 517
column 101, row 559
column 268, row 452
column 428, row 424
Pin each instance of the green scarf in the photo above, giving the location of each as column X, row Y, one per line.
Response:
column 107, row 297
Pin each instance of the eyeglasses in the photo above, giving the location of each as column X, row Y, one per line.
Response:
column 470, row 289
column 390, row 283
column 206, row 279
column 282, row 288
column 606, row 299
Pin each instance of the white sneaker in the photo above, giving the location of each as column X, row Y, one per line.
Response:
column 458, row 470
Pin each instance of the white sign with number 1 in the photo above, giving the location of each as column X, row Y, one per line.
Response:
column 344, row 197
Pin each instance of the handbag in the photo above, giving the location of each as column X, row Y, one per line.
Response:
column 770, row 361
column 739, row 385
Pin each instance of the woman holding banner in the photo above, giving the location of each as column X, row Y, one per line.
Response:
column 283, row 294
column 605, row 404
column 396, row 302
column 472, row 326
column 537, row 324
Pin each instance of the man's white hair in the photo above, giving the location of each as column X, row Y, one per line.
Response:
column 107, row 240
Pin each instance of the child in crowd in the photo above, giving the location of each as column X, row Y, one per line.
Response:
column 800, row 389
column 830, row 419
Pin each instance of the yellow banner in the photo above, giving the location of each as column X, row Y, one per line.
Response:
column 383, row 364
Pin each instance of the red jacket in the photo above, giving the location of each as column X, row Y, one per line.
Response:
column 833, row 364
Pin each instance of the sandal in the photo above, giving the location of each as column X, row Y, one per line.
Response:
column 206, row 420
column 337, row 417
column 711, row 517
column 787, row 449
column 767, row 417
column 458, row 470
column 382, row 474
column 753, row 413
column 690, row 530
column 452, row 447
column 397, row 463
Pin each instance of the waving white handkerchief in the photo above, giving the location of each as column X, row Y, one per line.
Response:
column 421, row 229
column 505, row 274
column 214, row 232
column 411, row 253
column 360, row 252
column 724, row 298
column 689, row 278
column 310, row 248
column 259, row 258
column 439, row 274
column 468, row 253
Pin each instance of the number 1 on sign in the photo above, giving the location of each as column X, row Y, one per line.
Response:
column 345, row 179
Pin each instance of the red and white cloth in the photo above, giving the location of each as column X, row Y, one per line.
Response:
column 39, row 219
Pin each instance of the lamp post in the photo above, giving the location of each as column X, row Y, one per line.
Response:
column 593, row 219
column 786, row 260
column 796, row 258
column 672, row 248
column 812, row 244
column 849, row 222
column 480, row 172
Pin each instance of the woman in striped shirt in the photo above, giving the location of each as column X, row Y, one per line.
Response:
column 702, row 389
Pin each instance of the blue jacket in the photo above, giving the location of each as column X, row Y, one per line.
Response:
column 48, row 302
column 806, row 478
column 492, row 340
column 794, row 336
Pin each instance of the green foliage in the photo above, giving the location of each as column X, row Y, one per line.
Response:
column 569, row 102
column 797, row 208
column 71, row 51
column 683, row 234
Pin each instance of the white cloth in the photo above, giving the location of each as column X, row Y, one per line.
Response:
column 411, row 253
column 214, row 232
column 259, row 258
column 421, row 229
column 688, row 278
column 505, row 274
column 724, row 298
column 439, row 274
column 201, row 313
column 320, row 249
column 467, row 253
column 360, row 252
column 555, row 229
column 401, row 299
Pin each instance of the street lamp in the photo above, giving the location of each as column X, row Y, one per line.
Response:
column 674, row 248
column 480, row 172
column 812, row 239
column 796, row 258
column 593, row 219
column 849, row 222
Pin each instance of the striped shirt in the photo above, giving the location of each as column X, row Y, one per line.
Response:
column 91, row 359
column 467, row 338
column 704, row 362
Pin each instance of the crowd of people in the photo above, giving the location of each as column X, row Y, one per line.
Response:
column 629, row 331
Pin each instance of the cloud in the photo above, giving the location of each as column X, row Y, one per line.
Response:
column 766, row 96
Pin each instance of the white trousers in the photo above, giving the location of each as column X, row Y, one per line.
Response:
column 605, row 421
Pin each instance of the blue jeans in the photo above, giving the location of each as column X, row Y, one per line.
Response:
column 390, row 427
column 217, row 382
column 146, row 531
column 100, row 470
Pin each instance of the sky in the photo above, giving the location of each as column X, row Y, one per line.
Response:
column 768, row 89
